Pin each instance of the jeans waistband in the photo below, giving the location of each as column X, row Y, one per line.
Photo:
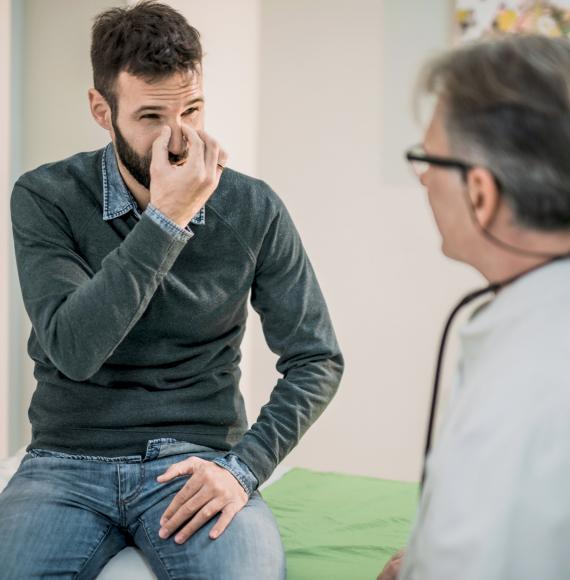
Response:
column 155, row 449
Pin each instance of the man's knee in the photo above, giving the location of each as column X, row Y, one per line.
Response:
column 253, row 544
column 250, row 547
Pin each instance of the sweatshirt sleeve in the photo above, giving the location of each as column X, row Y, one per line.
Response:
column 297, row 327
column 80, row 316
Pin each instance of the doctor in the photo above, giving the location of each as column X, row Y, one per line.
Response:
column 495, row 163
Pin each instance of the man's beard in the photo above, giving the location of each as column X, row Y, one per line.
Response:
column 137, row 166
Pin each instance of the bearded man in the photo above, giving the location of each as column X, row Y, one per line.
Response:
column 136, row 263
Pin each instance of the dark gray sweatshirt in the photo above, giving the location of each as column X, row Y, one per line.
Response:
column 137, row 331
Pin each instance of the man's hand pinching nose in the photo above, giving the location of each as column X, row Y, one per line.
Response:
column 210, row 490
column 179, row 191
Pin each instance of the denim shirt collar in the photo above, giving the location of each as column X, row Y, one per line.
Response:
column 117, row 199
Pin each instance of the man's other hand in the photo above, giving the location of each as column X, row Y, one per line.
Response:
column 392, row 568
column 210, row 490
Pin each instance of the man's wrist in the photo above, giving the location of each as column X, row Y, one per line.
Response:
column 167, row 224
column 239, row 470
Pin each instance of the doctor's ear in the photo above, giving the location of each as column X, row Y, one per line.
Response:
column 483, row 194
column 100, row 109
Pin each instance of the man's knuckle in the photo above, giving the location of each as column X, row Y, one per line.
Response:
column 187, row 509
column 173, row 507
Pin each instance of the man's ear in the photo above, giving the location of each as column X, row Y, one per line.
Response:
column 100, row 109
column 484, row 195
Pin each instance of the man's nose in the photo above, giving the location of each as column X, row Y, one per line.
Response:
column 177, row 143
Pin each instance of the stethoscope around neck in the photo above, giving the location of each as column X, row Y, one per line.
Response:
column 490, row 289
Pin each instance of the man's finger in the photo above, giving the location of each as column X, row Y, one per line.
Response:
column 190, row 489
column 222, row 157
column 211, row 153
column 203, row 516
column 185, row 512
column 195, row 145
column 160, row 149
column 185, row 467
column 227, row 515
column 221, row 163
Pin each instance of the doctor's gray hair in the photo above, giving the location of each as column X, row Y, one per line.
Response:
column 506, row 104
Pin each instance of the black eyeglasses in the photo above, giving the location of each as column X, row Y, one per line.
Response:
column 420, row 161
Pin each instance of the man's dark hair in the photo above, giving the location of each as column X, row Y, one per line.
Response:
column 507, row 106
column 149, row 40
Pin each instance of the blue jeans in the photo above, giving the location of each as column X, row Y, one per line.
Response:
column 66, row 516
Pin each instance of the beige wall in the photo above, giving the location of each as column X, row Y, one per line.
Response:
column 5, row 68
column 55, row 75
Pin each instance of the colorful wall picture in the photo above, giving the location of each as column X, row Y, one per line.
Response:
column 476, row 18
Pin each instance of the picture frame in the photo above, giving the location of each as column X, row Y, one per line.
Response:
column 473, row 19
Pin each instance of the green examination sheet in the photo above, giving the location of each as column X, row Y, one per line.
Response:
column 340, row 526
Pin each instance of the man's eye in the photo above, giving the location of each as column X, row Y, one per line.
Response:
column 190, row 111
column 149, row 116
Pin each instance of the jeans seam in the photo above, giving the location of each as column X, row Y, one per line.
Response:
column 136, row 491
column 94, row 551
column 152, row 545
column 120, row 504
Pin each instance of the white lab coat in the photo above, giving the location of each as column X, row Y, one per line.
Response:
column 496, row 504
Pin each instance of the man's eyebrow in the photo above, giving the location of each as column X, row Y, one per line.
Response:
column 161, row 108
